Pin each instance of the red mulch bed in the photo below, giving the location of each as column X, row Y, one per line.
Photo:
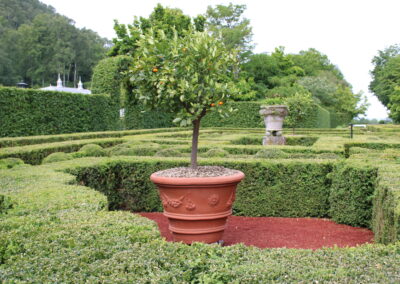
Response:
column 276, row 232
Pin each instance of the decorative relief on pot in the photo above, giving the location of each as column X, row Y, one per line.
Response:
column 190, row 206
column 164, row 200
column 231, row 200
column 213, row 200
column 175, row 203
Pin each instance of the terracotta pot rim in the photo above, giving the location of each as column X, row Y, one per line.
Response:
column 237, row 177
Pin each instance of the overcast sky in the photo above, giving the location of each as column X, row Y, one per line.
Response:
column 349, row 32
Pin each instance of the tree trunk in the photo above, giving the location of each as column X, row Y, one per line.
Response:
column 195, row 143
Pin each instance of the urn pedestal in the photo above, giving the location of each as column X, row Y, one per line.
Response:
column 273, row 119
column 197, row 208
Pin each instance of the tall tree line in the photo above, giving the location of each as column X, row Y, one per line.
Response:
column 36, row 44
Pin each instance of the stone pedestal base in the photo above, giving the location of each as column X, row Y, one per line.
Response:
column 274, row 140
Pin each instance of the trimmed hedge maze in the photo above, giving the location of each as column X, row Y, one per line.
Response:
column 65, row 203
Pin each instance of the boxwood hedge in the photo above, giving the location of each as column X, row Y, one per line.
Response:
column 58, row 231
column 56, row 224
column 25, row 112
column 246, row 116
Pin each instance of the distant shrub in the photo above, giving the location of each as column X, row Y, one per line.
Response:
column 5, row 203
column 133, row 150
column 9, row 163
column 215, row 152
column 270, row 154
column 90, row 150
column 391, row 154
column 56, row 157
column 170, row 152
column 328, row 156
column 121, row 151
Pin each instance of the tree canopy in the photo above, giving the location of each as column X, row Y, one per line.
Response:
column 229, row 23
column 385, row 82
column 386, row 73
column 162, row 18
column 286, row 75
column 189, row 75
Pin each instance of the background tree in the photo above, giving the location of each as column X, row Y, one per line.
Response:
column 162, row 18
column 314, row 62
column 394, row 104
column 228, row 21
column 386, row 73
column 189, row 76
column 37, row 43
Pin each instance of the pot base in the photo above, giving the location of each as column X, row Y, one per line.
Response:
column 189, row 231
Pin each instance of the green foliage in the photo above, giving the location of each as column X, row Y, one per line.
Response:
column 245, row 90
column 90, row 150
column 339, row 119
column 183, row 75
column 300, row 108
column 265, row 181
column 26, row 112
column 270, row 154
column 282, row 92
column 34, row 154
column 139, row 117
column 5, row 205
column 321, row 87
column 56, row 157
column 169, row 152
column 52, row 226
column 386, row 73
column 131, row 150
column 9, row 163
column 215, row 153
column 323, row 118
column 335, row 95
column 290, row 140
column 38, row 43
column 227, row 22
column 281, row 75
column 162, row 18
column 109, row 77
column 247, row 115
column 314, row 62
column 273, row 70
column 394, row 104
column 31, row 140
column 351, row 195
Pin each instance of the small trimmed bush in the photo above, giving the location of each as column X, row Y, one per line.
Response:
column 57, row 157
column 215, row 153
column 169, row 152
column 90, row 150
column 9, row 163
column 270, row 154
column 5, row 205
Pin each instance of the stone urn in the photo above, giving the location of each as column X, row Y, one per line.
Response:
column 198, row 207
column 273, row 118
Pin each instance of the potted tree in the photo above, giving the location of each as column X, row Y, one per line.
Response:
column 189, row 75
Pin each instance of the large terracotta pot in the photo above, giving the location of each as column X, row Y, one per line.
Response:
column 197, row 208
